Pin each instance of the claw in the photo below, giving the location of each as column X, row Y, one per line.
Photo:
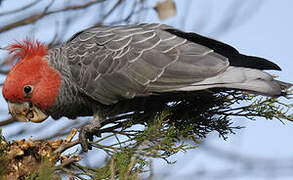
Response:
column 86, row 133
column 83, row 139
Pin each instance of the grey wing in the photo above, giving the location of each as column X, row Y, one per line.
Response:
column 113, row 63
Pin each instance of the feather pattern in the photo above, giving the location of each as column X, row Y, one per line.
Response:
column 109, row 64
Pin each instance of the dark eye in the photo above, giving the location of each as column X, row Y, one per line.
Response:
column 27, row 89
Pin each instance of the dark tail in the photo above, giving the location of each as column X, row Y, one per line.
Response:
column 234, row 57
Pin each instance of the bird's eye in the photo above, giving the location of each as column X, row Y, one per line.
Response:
column 27, row 89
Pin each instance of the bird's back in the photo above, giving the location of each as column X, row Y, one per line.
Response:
column 113, row 63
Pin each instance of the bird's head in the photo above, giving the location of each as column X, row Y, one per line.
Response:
column 32, row 85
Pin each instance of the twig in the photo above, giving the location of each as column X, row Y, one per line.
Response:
column 64, row 130
column 20, row 9
column 73, row 159
column 65, row 146
column 135, row 155
column 112, row 168
column 53, row 41
column 131, row 13
column 110, row 129
column 4, row 71
column 4, row 48
column 33, row 18
column 109, row 12
column 6, row 122
column 68, row 143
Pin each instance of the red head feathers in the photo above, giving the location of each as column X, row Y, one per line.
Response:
column 28, row 49
column 32, row 70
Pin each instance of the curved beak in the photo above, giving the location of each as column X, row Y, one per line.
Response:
column 26, row 111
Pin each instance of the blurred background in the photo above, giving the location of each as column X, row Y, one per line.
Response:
column 262, row 150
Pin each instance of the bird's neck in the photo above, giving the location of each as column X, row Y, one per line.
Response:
column 70, row 102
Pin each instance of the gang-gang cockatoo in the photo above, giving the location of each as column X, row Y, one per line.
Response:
column 102, row 66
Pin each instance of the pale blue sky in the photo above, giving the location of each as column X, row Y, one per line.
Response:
column 267, row 33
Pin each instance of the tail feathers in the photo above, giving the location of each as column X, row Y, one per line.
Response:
column 234, row 57
column 252, row 80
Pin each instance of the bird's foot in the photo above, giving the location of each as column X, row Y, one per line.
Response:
column 86, row 133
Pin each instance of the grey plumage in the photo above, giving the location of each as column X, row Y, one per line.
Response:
column 109, row 64
column 106, row 71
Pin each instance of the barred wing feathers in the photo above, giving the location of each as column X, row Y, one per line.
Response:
column 112, row 63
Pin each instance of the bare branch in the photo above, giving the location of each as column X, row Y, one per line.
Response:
column 68, row 142
column 4, row 71
column 65, row 146
column 69, row 161
column 36, row 17
column 4, row 48
column 6, row 122
column 109, row 12
column 20, row 9
column 132, row 12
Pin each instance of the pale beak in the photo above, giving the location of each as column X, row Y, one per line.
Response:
column 26, row 111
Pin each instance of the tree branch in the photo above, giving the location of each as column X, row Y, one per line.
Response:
column 36, row 17
column 21, row 8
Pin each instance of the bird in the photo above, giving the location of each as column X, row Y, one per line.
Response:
column 103, row 66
